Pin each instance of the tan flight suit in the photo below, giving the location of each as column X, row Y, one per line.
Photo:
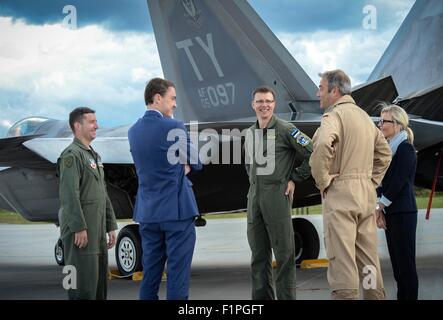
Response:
column 84, row 204
column 349, row 145
column 269, row 227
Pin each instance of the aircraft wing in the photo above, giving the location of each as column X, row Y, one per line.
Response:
column 430, row 133
column 14, row 154
column 426, row 103
column 36, row 152
column 113, row 150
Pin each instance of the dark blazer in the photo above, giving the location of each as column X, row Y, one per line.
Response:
column 164, row 192
column 398, row 182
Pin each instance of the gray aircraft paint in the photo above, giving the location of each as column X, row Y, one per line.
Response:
column 217, row 52
column 414, row 58
column 228, row 43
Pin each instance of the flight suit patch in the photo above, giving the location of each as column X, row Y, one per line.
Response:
column 302, row 140
column 295, row 133
column 92, row 164
column 68, row 161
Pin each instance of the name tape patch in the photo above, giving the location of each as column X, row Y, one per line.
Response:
column 295, row 133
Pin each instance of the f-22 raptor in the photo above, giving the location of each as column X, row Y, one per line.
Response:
column 217, row 52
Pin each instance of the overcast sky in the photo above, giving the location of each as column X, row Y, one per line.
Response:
column 47, row 69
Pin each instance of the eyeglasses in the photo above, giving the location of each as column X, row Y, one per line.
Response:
column 263, row 101
column 381, row 121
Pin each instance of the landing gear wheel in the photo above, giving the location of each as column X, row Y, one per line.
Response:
column 307, row 242
column 128, row 250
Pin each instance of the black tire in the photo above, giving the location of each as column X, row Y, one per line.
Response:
column 128, row 250
column 307, row 242
column 200, row 221
column 59, row 253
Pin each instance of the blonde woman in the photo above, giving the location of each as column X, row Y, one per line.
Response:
column 396, row 210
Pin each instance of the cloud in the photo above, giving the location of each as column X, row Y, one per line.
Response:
column 356, row 53
column 116, row 15
column 356, row 50
column 281, row 15
column 52, row 69
column 5, row 124
column 289, row 16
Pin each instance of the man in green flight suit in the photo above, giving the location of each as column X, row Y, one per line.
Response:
column 86, row 213
column 271, row 148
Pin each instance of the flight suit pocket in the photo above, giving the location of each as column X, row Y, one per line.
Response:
column 328, row 244
column 94, row 224
column 251, row 197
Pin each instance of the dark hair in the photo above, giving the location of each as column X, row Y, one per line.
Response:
column 154, row 86
column 76, row 115
column 337, row 79
column 263, row 89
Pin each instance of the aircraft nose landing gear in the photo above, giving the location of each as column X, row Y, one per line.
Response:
column 59, row 253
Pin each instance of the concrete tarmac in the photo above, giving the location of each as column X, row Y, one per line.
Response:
column 220, row 269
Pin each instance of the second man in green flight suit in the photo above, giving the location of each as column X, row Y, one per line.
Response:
column 271, row 148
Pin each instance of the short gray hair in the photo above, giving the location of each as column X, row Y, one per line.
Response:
column 337, row 79
column 263, row 89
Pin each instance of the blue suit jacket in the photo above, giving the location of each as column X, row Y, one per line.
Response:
column 398, row 182
column 164, row 192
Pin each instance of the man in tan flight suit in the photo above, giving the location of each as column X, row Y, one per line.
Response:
column 349, row 160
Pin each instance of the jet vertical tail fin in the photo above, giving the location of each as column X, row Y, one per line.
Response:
column 217, row 52
column 415, row 61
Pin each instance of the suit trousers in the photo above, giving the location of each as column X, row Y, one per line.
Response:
column 400, row 237
column 170, row 243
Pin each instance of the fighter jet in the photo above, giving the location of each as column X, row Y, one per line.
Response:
column 217, row 52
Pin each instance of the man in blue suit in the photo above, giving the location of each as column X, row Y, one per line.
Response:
column 165, row 205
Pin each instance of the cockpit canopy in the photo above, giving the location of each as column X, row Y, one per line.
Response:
column 27, row 126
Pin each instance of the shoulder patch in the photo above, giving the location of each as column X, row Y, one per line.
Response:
column 68, row 161
column 295, row 133
column 302, row 140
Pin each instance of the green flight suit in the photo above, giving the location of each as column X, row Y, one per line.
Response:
column 84, row 204
column 269, row 209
